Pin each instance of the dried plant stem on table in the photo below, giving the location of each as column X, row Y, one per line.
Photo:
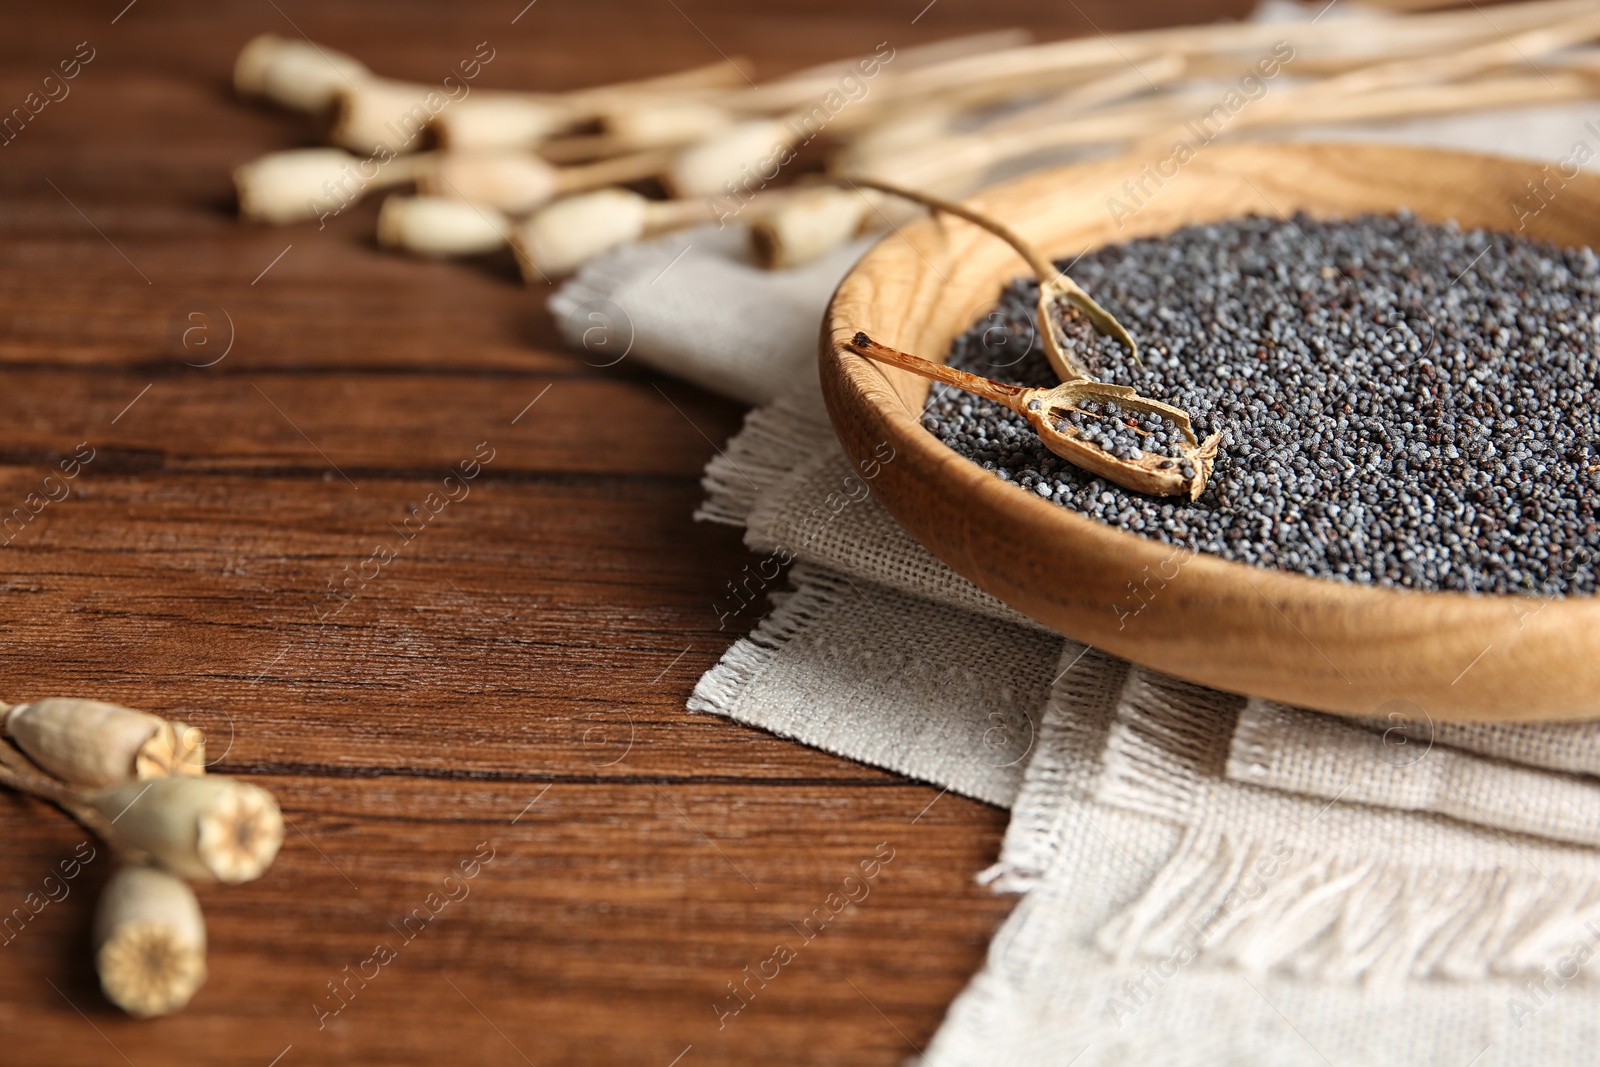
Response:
column 1554, row 87
column 958, row 162
column 1154, row 125
column 501, row 120
column 1155, row 74
column 913, row 127
column 928, row 117
column 952, row 84
column 652, row 112
column 804, row 88
column 305, row 76
column 1523, row 49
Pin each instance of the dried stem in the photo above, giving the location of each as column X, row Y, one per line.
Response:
column 999, row 392
column 1054, row 284
column 19, row 773
column 1366, row 39
column 1037, row 262
column 1153, row 76
column 1153, row 124
column 633, row 167
column 1373, row 85
column 803, row 88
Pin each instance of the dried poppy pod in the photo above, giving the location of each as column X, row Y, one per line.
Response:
column 744, row 156
column 808, row 225
column 304, row 183
column 149, row 941
column 440, row 226
column 662, row 125
column 563, row 236
column 94, row 745
column 295, row 74
column 488, row 121
column 377, row 116
column 206, row 829
column 189, row 748
column 1109, row 430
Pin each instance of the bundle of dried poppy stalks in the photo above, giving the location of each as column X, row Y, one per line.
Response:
column 138, row 781
column 563, row 176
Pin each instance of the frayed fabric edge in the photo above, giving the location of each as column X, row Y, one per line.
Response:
column 773, row 441
column 815, row 593
column 1261, row 907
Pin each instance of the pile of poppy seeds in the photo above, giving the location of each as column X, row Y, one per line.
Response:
column 1402, row 403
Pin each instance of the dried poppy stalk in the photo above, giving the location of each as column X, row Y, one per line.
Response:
column 1060, row 298
column 1109, row 430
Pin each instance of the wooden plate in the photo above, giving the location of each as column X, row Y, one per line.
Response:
column 1338, row 646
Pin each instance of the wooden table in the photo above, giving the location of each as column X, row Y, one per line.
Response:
column 513, row 683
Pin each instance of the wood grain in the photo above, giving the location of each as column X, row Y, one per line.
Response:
column 1338, row 646
column 534, row 645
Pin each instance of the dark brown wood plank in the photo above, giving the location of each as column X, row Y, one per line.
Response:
column 361, row 426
